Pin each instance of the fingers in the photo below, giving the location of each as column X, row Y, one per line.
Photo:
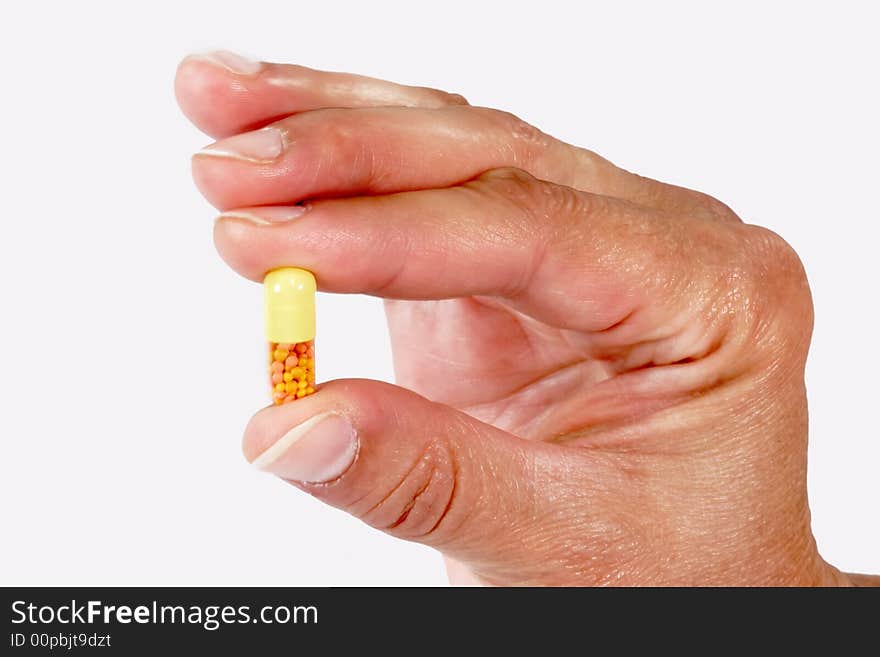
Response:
column 349, row 152
column 424, row 472
column 223, row 93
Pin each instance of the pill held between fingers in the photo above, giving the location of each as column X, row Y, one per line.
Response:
column 289, row 295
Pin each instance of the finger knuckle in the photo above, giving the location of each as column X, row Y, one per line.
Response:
column 342, row 140
column 768, row 286
column 447, row 98
column 527, row 192
column 527, row 144
column 541, row 211
column 419, row 506
column 778, row 262
column 456, row 99
column 528, row 214
column 331, row 127
column 519, row 129
column 714, row 207
column 511, row 183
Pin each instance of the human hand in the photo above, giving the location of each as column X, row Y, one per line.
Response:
column 605, row 372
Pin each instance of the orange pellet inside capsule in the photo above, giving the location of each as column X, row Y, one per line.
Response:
column 291, row 370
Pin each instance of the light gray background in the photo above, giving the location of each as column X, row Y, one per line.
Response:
column 131, row 358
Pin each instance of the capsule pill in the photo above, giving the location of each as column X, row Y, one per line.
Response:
column 290, row 330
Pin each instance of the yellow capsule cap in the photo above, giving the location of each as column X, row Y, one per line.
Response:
column 290, row 305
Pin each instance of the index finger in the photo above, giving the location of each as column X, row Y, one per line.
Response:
column 571, row 259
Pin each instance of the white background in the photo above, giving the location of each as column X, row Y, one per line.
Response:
column 131, row 358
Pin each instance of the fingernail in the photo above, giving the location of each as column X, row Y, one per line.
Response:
column 268, row 215
column 258, row 146
column 232, row 62
column 319, row 450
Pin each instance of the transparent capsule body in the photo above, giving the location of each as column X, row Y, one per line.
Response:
column 290, row 330
column 291, row 370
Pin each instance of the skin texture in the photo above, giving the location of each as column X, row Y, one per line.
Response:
column 601, row 375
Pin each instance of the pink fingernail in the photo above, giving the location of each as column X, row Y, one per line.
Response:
column 269, row 214
column 232, row 62
column 319, row 450
column 258, row 146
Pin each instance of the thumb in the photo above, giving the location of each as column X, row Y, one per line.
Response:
column 425, row 472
